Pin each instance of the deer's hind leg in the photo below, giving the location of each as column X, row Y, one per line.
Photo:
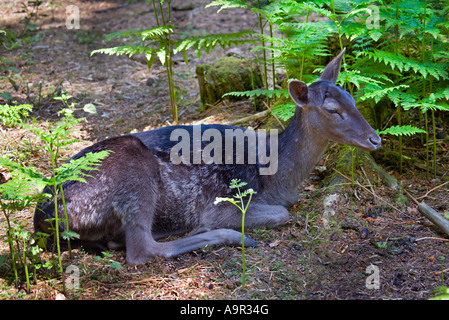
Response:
column 141, row 245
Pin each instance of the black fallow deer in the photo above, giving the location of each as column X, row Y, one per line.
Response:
column 145, row 191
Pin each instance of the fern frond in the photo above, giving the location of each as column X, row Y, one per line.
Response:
column 144, row 34
column 402, row 63
column 425, row 105
column 355, row 77
column 129, row 50
column 405, row 130
column 227, row 4
column 209, row 42
column 12, row 115
column 76, row 169
column 376, row 93
column 260, row 92
column 284, row 111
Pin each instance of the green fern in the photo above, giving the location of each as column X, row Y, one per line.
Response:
column 11, row 115
column 209, row 42
column 228, row 4
column 405, row 130
column 129, row 50
column 145, row 34
column 259, row 92
column 377, row 93
column 425, row 104
column 404, row 64
column 284, row 111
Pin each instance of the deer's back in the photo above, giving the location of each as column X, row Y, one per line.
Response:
column 139, row 175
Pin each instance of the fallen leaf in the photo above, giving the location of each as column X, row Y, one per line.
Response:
column 310, row 188
column 274, row 243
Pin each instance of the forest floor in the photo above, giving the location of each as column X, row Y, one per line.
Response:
column 302, row 260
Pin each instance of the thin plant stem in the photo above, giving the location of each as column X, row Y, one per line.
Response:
column 424, row 93
column 243, row 239
column 25, row 266
column 427, row 145
column 399, row 114
column 434, row 145
column 338, row 25
column 352, row 166
column 168, row 62
column 303, row 58
column 155, row 13
column 433, row 122
column 11, row 247
column 53, row 155
column 265, row 71
column 252, row 81
column 273, row 67
column 66, row 219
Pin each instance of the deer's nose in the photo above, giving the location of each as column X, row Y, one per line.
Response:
column 376, row 141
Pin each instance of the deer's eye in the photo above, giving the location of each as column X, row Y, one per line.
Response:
column 331, row 110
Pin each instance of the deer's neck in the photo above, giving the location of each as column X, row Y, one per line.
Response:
column 298, row 152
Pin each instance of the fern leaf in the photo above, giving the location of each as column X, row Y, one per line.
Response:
column 284, row 111
column 12, row 115
column 144, row 34
column 402, row 63
column 406, row 130
column 227, row 4
column 373, row 92
column 209, row 42
column 424, row 106
column 259, row 92
column 75, row 169
column 129, row 50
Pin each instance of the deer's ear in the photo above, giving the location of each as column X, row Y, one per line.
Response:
column 332, row 70
column 298, row 92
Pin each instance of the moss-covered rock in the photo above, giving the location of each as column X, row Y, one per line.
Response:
column 225, row 75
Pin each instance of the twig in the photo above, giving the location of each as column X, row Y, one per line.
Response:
column 248, row 118
column 279, row 121
column 202, row 121
column 411, row 197
column 366, row 176
column 433, row 189
column 431, row 238
column 434, row 216
column 369, row 191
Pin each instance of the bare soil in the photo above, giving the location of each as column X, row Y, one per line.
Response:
column 302, row 260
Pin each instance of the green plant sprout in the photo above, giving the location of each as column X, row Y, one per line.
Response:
column 17, row 194
column 442, row 290
column 12, row 115
column 239, row 202
column 23, row 189
column 107, row 260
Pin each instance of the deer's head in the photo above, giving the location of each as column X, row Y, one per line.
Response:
column 331, row 112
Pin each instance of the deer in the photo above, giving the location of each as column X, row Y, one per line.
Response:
column 140, row 196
